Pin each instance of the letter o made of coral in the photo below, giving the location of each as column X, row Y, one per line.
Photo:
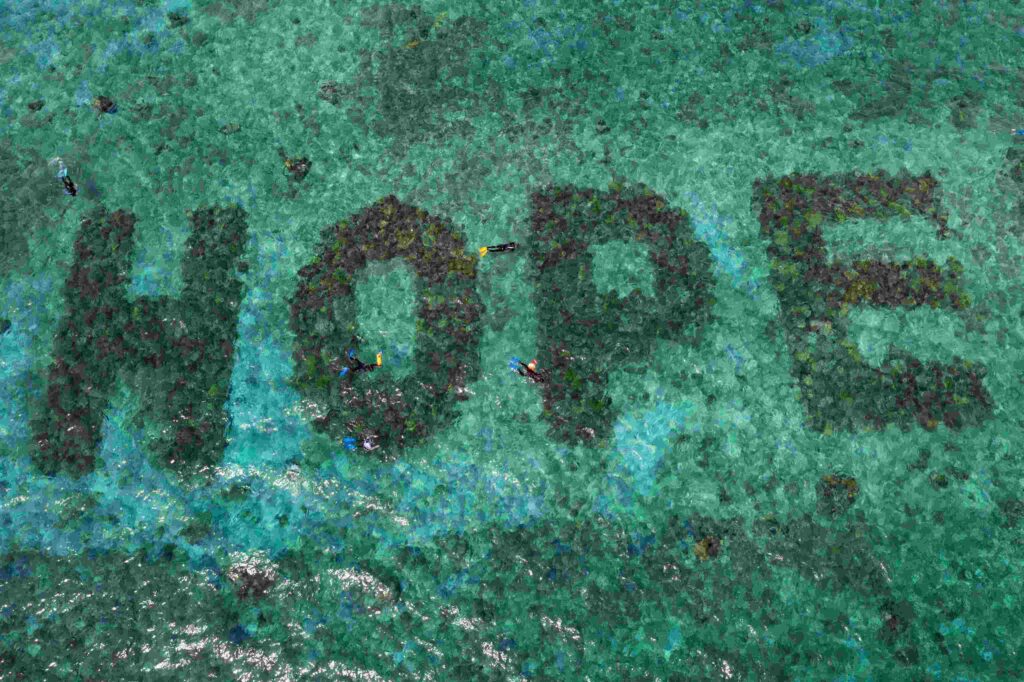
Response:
column 369, row 405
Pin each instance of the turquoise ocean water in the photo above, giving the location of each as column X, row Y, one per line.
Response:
column 725, row 522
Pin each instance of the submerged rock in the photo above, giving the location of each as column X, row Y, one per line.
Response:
column 836, row 494
column 707, row 548
column 104, row 105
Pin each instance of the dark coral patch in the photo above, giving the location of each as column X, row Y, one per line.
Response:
column 330, row 92
column 177, row 19
column 323, row 317
column 896, row 618
column 185, row 344
column 839, row 390
column 836, row 494
column 422, row 74
column 584, row 334
column 707, row 548
column 104, row 105
column 251, row 582
column 298, row 167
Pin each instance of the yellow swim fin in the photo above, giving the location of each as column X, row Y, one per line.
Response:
column 380, row 359
column 483, row 251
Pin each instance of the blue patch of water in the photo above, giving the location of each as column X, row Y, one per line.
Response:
column 546, row 42
column 457, row 495
column 24, row 301
column 45, row 51
column 59, row 15
column 487, row 434
column 736, row 357
column 818, row 49
column 675, row 639
column 136, row 503
column 265, row 428
column 238, row 634
column 130, row 489
column 83, row 95
column 641, row 441
column 709, row 227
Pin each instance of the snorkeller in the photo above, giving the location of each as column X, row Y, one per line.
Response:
column 528, row 370
column 358, row 366
column 69, row 187
column 369, row 443
column 511, row 246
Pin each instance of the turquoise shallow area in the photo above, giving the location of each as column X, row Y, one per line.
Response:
column 700, row 539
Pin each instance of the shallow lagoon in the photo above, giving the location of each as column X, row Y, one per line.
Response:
column 719, row 527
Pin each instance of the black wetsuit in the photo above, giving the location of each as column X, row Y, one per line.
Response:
column 524, row 370
column 360, row 367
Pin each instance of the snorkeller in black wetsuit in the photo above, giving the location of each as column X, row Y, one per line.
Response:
column 69, row 186
column 484, row 250
column 358, row 366
column 528, row 370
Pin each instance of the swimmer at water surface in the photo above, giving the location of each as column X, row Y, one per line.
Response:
column 70, row 188
column 528, row 370
column 510, row 246
column 358, row 366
